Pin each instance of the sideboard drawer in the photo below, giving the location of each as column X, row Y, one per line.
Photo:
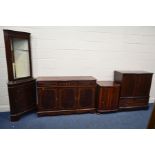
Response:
column 87, row 83
column 46, row 84
column 133, row 102
column 67, row 83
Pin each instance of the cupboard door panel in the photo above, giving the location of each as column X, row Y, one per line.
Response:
column 108, row 98
column 128, row 85
column 22, row 97
column 68, row 98
column 47, row 98
column 142, row 85
column 86, row 98
column 115, row 99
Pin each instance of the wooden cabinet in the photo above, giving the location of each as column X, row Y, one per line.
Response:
column 135, row 88
column 22, row 97
column 21, row 85
column 65, row 95
column 107, row 96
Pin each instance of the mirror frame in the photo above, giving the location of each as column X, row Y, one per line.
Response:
column 9, row 35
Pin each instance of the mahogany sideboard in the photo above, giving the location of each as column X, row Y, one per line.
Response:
column 65, row 95
column 135, row 88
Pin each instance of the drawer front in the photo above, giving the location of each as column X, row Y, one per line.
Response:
column 87, row 83
column 66, row 83
column 133, row 102
column 46, row 84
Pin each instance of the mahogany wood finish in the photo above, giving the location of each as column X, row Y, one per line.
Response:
column 22, row 91
column 151, row 124
column 107, row 96
column 135, row 88
column 65, row 95
column 9, row 35
column 22, row 97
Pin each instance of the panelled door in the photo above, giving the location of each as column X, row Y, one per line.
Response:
column 48, row 98
column 67, row 98
column 128, row 85
column 142, row 85
column 86, row 97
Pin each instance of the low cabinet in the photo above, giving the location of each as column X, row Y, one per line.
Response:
column 65, row 95
column 135, row 89
column 108, row 96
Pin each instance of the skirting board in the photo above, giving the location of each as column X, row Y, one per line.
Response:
column 6, row 108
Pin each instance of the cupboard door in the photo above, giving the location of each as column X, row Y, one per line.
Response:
column 47, row 98
column 142, row 85
column 109, row 98
column 67, row 98
column 128, row 85
column 22, row 97
column 86, row 98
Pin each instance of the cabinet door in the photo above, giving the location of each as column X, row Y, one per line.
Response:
column 128, row 85
column 47, row 99
column 86, row 98
column 22, row 97
column 18, row 55
column 67, row 98
column 110, row 97
column 142, row 85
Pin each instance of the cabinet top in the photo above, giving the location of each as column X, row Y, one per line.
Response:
column 108, row 84
column 66, row 78
column 133, row 72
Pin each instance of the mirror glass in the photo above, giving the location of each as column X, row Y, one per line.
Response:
column 21, row 64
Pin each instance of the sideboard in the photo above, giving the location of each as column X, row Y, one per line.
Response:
column 65, row 95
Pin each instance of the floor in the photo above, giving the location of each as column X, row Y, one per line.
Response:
column 120, row 120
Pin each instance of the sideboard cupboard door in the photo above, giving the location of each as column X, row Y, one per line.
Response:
column 128, row 85
column 67, row 98
column 142, row 85
column 86, row 98
column 47, row 98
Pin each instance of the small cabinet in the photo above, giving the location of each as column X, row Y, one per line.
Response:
column 107, row 96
